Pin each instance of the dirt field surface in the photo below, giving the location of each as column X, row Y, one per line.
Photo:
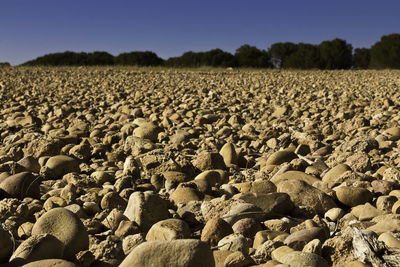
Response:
column 210, row 167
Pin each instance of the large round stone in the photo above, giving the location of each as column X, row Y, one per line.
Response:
column 169, row 229
column 181, row 252
column 67, row 227
column 353, row 196
column 20, row 185
column 38, row 247
column 61, row 165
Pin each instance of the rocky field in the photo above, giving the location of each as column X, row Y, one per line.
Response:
column 158, row 167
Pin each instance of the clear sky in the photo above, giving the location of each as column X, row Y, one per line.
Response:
column 31, row 28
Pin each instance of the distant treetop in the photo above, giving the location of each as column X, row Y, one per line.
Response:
column 333, row 54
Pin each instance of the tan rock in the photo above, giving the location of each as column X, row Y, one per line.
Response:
column 38, row 247
column 181, row 252
column 303, row 194
column 262, row 186
column 333, row 174
column 390, row 240
column 169, row 229
column 61, row 165
column 185, row 194
column 146, row 208
column 229, row 155
column 209, row 161
column 67, row 227
column 20, row 185
column 294, row 175
column 353, row 196
column 214, row 230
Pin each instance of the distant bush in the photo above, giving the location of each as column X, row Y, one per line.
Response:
column 5, row 64
column 386, row 52
column 251, row 56
column 138, row 58
column 69, row 58
column 304, row 56
column 361, row 58
column 335, row 54
column 280, row 52
column 212, row 58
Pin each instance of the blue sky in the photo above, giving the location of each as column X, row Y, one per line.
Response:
column 31, row 28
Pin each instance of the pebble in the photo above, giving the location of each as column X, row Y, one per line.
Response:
column 169, row 229
column 303, row 194
column 353, row 196
column 214, row 230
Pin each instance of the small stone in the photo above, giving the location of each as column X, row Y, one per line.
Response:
column 61, row 165
column 234, row 242
column 294, row 175
column 353, row 196
column 247, row 227
column 368, row 212
column 209, row 161
column 280, row 252
column 112, row 200
column 396, row 207
column 185, row 194
column 229, row 155
column 237, row 259
column 262, row 186
column 146, row 208
column 126, row 228
column 334, row 214
column 385, row 203
column 390, row 240
column 147, row 131
column 314, row 246
column 214, row 230
column 30, row 164
column 303, row 194
column 333, row 174
column 132, row 241
column 169, row 229
column 299, row 239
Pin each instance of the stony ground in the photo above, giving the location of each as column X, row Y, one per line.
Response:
column 157, row 167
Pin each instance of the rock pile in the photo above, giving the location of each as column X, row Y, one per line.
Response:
column 142, row 167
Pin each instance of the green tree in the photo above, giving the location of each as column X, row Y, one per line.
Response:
column 335, row 54
column 386, row 52
column 138, row 58
column 361, row 58
column 305, row 56
column 251, row 56
column 212, row 58
column 279, row 53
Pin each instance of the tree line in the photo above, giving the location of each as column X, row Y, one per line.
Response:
column 333, row 54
